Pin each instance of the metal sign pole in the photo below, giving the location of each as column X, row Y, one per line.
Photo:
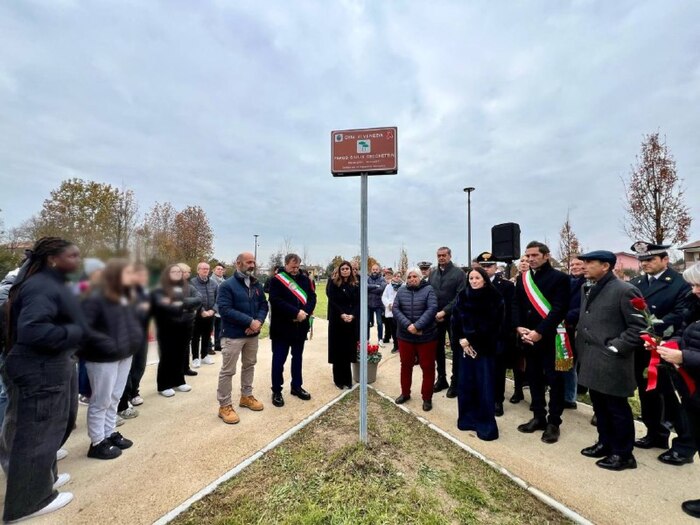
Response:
column 363, row 309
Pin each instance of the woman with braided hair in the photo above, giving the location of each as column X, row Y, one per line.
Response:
column 45, row 328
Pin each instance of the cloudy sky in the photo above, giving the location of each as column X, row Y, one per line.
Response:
column 540, row 105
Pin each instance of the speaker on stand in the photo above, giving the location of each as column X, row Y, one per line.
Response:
column 505, row 243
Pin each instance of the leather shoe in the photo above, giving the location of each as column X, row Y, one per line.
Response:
column 301, row 393
column 651, row 442
column 691, row 507
column 517, row 397
column 277, row 399
column 190, row 372
column 441, row 384
column 401, row 399
column 595, row 451
column 499, row 409
column 427, row 406
column 451, row 392
column 551, row 434
column 533, row 425
column 671, row 457
column 615, row 462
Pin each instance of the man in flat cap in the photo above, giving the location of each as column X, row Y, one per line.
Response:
column 666, row 293
column 505, row 350
column 607, row 338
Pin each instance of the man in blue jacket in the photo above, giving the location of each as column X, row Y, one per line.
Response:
column 243, row 309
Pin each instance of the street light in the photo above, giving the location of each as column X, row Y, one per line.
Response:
column 469, row 191
column 255, row 250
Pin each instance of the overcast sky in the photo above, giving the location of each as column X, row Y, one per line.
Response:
column 540, row 105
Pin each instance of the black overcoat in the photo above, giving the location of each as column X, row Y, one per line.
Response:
column 284, row 307
column 342, row 336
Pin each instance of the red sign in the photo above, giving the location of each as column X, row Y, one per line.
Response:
column 358, row 151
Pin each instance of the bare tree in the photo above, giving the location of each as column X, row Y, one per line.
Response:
column 654, row 198
column 568, row 243
column 403, row 260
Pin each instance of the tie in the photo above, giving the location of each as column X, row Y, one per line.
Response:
column 652, row 280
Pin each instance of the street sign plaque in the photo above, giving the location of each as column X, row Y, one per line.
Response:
column 371, row 151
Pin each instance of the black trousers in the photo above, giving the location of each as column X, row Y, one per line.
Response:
column 201, row 336
column 614, row 422
column 173, row 353
column 133, row 381
column 652, row 402
column 217, row 333
column 43, row 405
column 390, row 331
column 440, row 356
column 540, row 372
column 507, row 357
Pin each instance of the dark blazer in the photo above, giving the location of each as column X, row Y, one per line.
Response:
column 46, row 317
column 608, row 319
column 554, row 285
column 447, row 284
column 667, row 297
column 114, row 332
column 284, row 307
column 240, row 305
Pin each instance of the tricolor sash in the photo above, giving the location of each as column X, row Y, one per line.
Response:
column 564, row 355
column 292, row 286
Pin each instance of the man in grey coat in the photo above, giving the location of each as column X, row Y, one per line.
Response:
column 607, row 337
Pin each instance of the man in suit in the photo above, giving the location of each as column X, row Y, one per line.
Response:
column 667, row 295
column 537, row 329
column 292, row 301
column 505, row 351
column 607, row 338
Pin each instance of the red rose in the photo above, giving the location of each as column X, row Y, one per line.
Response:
column 638, row 303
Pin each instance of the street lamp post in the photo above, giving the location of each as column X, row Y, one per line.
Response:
column 255, row 250
column 469, row 191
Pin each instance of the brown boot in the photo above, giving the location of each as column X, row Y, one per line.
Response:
column 228, row 414
column 250, row 402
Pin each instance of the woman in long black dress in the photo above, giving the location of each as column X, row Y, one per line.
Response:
column 45, row 328
column 476, row 321
column 343, row 323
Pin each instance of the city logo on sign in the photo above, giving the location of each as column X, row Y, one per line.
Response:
column 364, row 146
column 339, row 137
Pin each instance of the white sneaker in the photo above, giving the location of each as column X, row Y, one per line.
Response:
column 61, row 480
column 61, row 453
column 209, row 360
column 381, row 343
column 83, row 400
column 168, row 392
column 136, row 401
column 183, row 388
column 120, row 420
column 63, row 499
column 129, row 413
column 196, row 363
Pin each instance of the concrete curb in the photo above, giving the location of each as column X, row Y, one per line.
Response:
column 247, row 462
column 545, row 498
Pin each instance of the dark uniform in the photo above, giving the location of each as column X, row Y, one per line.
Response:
column 667, row 296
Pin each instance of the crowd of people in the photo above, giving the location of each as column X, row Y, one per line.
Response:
column 560, row 335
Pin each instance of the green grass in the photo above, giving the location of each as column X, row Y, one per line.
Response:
column 407, row 474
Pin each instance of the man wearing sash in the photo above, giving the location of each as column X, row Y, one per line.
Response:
column 541, row 301
column 292, row 301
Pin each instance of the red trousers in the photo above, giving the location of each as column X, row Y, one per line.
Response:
column 425, row 354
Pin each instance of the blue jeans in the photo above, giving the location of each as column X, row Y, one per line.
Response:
column 570, row 385
column 280, row 351
column 377, row 312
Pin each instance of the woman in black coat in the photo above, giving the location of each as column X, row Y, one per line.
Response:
column 343, row 323
column 175, row 305
column 688, row 357
column 477, row 318
column 44, row 331
column 115, row 335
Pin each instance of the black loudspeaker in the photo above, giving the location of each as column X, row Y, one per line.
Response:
column 505, row 241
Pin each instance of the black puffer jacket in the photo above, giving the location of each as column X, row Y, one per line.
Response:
column 416, row 306
column 114, row 331
column 690, row 346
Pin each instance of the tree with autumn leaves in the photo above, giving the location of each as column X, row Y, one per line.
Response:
column 103, row 221
column 654, row 198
